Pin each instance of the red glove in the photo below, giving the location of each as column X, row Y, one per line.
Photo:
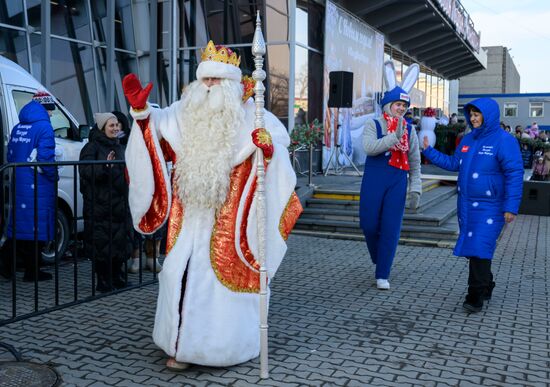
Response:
column 262, row 139
column 136, row 95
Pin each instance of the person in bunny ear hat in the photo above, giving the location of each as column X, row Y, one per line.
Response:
column 393, row 158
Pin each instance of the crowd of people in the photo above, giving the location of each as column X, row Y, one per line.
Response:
column 109, row 238
column 190, row 171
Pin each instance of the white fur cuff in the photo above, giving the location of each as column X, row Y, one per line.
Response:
column 211, row 69
column 141, row 114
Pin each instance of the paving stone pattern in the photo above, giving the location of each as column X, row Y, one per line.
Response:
column 330, row 326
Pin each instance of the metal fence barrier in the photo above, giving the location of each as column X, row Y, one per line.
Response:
column 74, row 272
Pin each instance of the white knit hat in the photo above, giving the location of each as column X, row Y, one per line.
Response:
column 102, row 118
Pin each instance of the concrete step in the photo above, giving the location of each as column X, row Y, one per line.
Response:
column 432, row 198
column 347, row 194
column 350, row 200
column 448, row 231
column 434, row 216
column 359, row 237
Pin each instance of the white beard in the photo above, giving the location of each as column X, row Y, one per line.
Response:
column 211, row 119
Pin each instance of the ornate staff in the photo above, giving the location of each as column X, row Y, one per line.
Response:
column 258, row 50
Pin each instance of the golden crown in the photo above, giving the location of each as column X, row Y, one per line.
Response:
column 221, row 54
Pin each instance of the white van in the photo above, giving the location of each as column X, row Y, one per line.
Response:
column 17, row 87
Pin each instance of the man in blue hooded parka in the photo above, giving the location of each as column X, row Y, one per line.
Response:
column 32, row 140
column 490, row 185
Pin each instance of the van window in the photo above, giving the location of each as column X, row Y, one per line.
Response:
column 61, row 124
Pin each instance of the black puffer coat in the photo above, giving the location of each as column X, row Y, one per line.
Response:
column 107, row 188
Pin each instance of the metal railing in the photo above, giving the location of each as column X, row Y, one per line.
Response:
column 74, row 276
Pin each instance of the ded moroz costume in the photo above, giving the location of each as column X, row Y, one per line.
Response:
column 208, row 302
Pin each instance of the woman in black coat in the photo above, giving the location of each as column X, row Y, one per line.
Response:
column 107, row 224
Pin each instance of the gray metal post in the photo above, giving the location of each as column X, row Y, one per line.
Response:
column 173, row 52
column 94, row 55
column 110, row 32
column 28, row 38
column 292, row 62
column 153, row 14
column 46, row 29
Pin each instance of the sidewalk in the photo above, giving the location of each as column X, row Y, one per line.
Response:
column 329, row 325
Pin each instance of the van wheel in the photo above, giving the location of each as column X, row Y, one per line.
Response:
column 63, row 234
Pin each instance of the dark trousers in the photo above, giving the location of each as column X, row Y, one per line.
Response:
column 480, row 278
column 25, row 253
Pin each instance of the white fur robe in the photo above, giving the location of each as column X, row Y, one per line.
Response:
column 219, row 326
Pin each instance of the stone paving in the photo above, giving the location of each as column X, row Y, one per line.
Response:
column 330, row 326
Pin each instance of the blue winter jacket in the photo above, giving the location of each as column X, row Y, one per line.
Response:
column 490, row 180
column 33, row 140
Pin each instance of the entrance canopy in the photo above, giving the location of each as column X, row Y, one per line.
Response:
column 437, row 33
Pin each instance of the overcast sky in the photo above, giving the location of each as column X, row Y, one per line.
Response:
column 522, row 26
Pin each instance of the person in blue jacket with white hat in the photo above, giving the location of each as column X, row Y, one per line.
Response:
column 490, row 185
column 392, row 165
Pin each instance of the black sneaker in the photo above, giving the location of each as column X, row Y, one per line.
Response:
column 473, row 303
column 42, row 276
column 489, row 291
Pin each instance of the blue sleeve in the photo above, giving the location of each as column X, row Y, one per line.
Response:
column 450, row 163
column 511, row 163
column 45, row 151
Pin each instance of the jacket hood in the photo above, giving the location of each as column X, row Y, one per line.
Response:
column 33, row 112
column 491, row 116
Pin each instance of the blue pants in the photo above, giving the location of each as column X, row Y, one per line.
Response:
column 381, row 208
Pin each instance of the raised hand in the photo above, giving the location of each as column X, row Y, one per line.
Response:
column 262, row 139
column 426, row 142
column 399, row 129
column 414, row 200
column 136, row 95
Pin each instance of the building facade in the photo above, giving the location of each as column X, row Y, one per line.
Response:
column 81, row 49
column 517, row 108
column 500, row 77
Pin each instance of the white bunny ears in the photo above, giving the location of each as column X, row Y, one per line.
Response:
column 409, row 79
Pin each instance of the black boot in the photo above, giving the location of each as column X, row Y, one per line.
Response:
column 42, row 276
column 102, row 285
column 474, row 300
column 489, row 291
column 119, row 282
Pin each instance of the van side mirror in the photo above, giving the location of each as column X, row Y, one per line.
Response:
column 83, row 131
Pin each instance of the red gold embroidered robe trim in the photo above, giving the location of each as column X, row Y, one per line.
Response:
column 290, row 215
column 159, row 206
column 230, row 270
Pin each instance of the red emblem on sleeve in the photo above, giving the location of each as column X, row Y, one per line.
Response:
column 465, row 149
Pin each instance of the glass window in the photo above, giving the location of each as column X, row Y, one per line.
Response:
column 276, row 25
column 70, row 18
column 230, row 22
column 34, row 13
column 510, row 109
column 315, row 86
column 13, row 46
column 536, row 109
column 277, row 82
column 301, row 81
column 70, row 63
column 301, row 26
column 124, row 26
column 11, row 12
column 460, row 111
column 61, row 124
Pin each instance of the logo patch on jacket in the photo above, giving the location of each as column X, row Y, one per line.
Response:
column 486, row 150
column 465, row 148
